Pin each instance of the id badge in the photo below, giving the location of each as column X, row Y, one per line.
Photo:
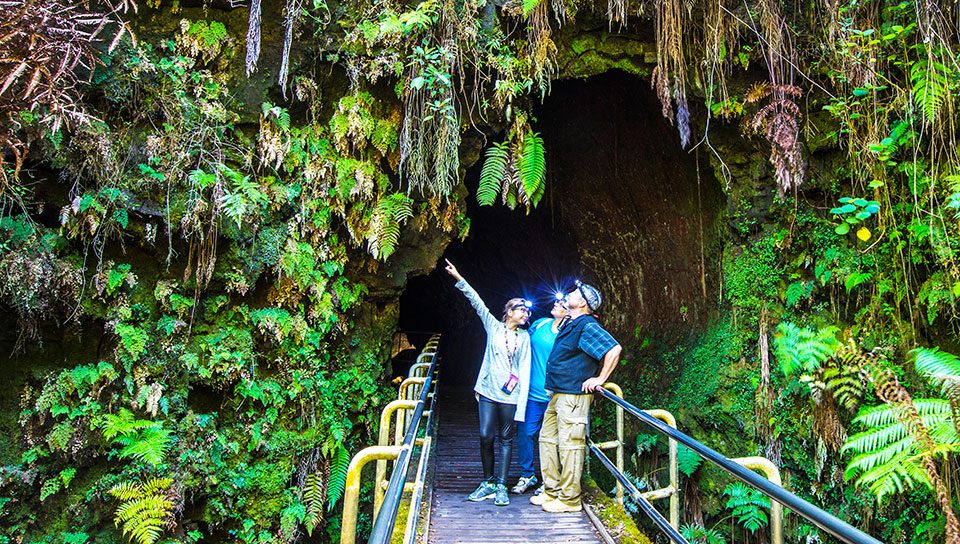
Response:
column 511, row 384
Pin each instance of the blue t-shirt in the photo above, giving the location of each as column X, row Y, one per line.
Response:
column 541, row 342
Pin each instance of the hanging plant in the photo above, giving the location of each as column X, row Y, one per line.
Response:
column 515, row 169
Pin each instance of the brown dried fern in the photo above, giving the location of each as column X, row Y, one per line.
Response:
column 48, row 51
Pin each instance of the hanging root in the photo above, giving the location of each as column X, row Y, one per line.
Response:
column 253, row 38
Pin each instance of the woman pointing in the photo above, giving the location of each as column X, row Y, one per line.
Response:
column 501, row 387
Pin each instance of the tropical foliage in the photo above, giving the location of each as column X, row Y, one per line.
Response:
column 144, row 510
column 514, row 169
column 747, row 505
column 201, row 250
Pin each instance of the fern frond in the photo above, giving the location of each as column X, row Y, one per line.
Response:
column 942, row 368
column 803, row 349
column 338, row 476
column 313, row 492
column 125, row 490
column 150, row 448
column 156, row 485
column 895, row 476
column 930, row 88
column 877, row 416
column 701, row 535
column 746, row 503
column 879, row 454
column 687, row 460
column 493, row 173
column 848, row 387
column 144, row 510
column 142, row 439
column 391, row 212
column 533, row 168
column 529, row 6
column 888, row 460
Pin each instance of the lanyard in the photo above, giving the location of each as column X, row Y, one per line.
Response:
column 506, row 344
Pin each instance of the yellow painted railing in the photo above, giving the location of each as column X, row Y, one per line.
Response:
column 672, row 490
column 401, row 444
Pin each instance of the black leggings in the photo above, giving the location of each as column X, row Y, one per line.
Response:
column 496, row 418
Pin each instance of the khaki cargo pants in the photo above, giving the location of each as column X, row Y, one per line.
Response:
column 563, row 446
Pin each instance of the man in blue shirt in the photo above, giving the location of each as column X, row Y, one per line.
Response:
column 581, row 349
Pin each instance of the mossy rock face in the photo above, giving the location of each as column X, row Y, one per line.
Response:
column 581, row 55
column 617, row 522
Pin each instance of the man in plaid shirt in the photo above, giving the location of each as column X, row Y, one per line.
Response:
column 582, row 348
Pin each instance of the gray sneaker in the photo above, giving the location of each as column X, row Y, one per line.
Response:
column 502, row 498
column 524, row 484
column 486, row 491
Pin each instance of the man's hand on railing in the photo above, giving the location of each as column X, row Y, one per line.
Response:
column 592, row 385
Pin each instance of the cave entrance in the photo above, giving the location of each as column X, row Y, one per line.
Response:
column 625, row 209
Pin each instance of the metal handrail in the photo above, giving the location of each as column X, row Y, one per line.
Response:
column 839, row 529
column 383, row 527
column 635, row 494
column 400, row 452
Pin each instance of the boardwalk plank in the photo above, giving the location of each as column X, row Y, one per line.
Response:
column 458, row 472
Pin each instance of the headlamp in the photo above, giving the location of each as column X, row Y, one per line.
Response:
column 579, row 285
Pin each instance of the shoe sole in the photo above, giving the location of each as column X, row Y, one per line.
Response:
column 564, row 511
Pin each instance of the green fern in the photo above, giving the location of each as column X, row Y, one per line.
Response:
column 803, row 350
column 391, row 212
column 687, row 460
column 942, row 368
column 313, row 492
column 281, row 117
column 533, row 169
column 529, row 6
column 701, row 535
column 142, row 439
column 887, row 459
column 930, row 88
column 746, row 504
column 338, row 476
column 144, row 510
column 492, row 174
column 847, row 386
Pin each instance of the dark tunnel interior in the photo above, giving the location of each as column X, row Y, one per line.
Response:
column 625, row 209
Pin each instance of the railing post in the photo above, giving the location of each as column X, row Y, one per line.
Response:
column 772, row 473
column 384, row 524
column 417, row 367
column 403, row 395
column 615, row 389
column 384, row 438
column 351, row 492
column 668, row 418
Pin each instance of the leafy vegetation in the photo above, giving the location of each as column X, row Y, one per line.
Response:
column 201, row 250
column 747, row 506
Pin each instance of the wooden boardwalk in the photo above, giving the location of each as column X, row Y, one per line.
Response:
column 458, row 472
